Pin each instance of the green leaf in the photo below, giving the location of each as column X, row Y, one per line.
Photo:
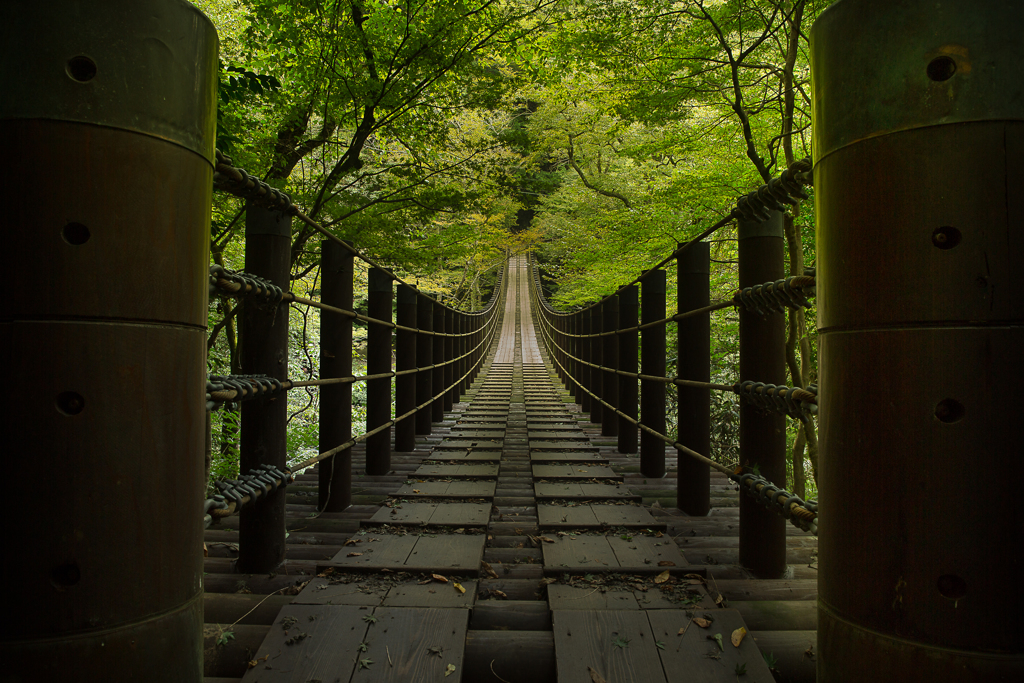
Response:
column 226, row 637
column 741, row 669
column 369, row 618
column 363, row 646
column 718, row 639
column 660, row 644
column 365, row 663
column 620, row 642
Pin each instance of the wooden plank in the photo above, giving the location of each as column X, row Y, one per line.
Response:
column 588, row 639
column 404, row 513
column 571, row 489
column 626, row 515
column 463, row 454
column 471, row 489
column 579, row 552
column 574, row 472
column 692, row 658
column 561, row 597
column 554, row 516
column 558, row 435
column 478, row 432
column 474, row 470
column 560, row 445
column 402, row 643
column 448, row 552
column 432, row 594
column 320, row 591
column 562, row 456
column 606, row 491
column 447, row 489
column 461, row 514
column 639, row 553
column 324, row 641
column 375, row 551
column 482, row 444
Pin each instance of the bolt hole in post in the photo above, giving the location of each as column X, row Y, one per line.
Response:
column 950, row 410
column 75, row 234
column 952, row 586
column 946, row 237
column 81, row 69
column 941, row 68
column 70, row 403
column 66, row 575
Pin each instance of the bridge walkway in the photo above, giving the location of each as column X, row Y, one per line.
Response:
column 513, row 544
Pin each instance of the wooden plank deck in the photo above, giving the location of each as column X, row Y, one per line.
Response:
column 549, row 574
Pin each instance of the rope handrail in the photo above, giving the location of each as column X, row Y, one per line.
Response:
column 756, row 205
column 239, row 284
column 802, row 514
column 236, row 181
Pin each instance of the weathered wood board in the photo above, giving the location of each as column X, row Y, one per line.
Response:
column 571, row 489
column 574, row 472
column 432, row 553
column 608, row 515
column 542, row 456
column 423, row 514
column 434, row 470
column 637, row 554
column 447, row 489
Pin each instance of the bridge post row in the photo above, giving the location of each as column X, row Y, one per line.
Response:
column 449, row 353
column 424, row 357
column 652, row 356
column 629, row 305
column 437, row 406
column 762, row 359
column 335, row 473
column 405, row 359
column 693, row 484
column 263, row 336
column 583, row 325
column 378, row 360
column 610, row 359
column 596, row 324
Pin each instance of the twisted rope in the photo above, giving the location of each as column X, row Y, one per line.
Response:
column 779, row 295
column 236, row 181
column 775, row 194
column 796, row 403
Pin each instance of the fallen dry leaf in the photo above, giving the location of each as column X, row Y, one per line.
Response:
column 415, row 490
column 666, row 563
column 458, row 586
column 719, row 599
column 738, row 635
column 353, row 554
column 449, row 670
column 546, row 539
column 438, row 577
column 498, row 594
column 594, row 676
column 206, row 551
column 487, row 570
column 703, row 623
column 352, row 541
column 662, row 577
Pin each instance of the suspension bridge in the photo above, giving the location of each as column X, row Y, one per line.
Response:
column 521, row 510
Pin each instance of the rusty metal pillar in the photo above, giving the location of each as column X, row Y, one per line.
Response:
column 380, row 295
column 263, row 349
column 405, row 359
column 629, row 311
column 610, row 360
column 596, row 355
column 762, row 433
column 919, row 145
column 693, row 484
column 335, row 473
column 652, row 393
column 424, row 358
column 106, row 181
column 437, row 406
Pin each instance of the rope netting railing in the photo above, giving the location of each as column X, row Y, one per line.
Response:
column 595, row 350
column 438, row 351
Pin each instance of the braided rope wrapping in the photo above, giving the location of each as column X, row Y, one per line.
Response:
column 803, row 514
column 222, row 389
column 777, row 296
column 235, row 283
column 796, row 403
column 236, row 181
column 261, row 481
column 775, row 194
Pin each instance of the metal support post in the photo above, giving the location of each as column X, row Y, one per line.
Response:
column 584, row 348
column 762, row 433
column 693, row 484
column 596, row 356
column 380, row 296
column 627, row 362
column 437, row 407
column 405, row 359
column 652, row 394
column 335, row 473
column 449, row 355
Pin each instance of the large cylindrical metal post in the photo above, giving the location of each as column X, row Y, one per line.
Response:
column 762, row 433
column 693, row 484
column 107, row 126
column 437, row 407
column 596, row 356
column 629, row 311
column 405, row 360
column 335, row 473
column 919, row 146
column 379, row 298
column 652, row 393
column 584, row 349
column 263, row 349
column 610, row 361
column 449, row 357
